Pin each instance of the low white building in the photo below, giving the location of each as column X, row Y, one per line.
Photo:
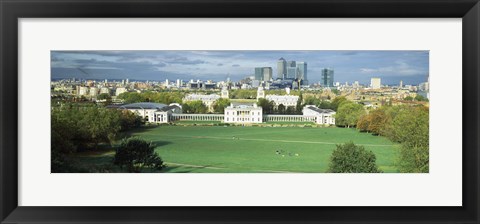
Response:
column 151, row 112
column 120, row 90
column 208, row 100
column 164, row 114
column 286, row 100
column 82, row 90
column 323, row 116
column 243, row 114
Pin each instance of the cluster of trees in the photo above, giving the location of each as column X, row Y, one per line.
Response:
column 416, row 98
column 135, row 154
column 268, row 107
column 407, row 125
column 404, row 124
column 351, row 158
column 156, row 97
column 194, row 107
column 220, row 104
column 324, row 104
column 79, row 127
column 348, row 114
column 243, row 94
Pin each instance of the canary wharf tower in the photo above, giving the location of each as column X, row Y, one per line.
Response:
column 327, row 77
column 281, row 68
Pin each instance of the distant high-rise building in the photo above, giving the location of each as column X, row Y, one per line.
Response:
column 401, row 84
column 291, row 72
column 259, row 73
column 302, row 72
column 267, row 73
column 291, row 64
column 281, row 68
column 375, row 83
column 327, row 77
column 263, row 73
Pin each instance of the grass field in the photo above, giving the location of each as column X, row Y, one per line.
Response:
column 218, row 149
column 214, row 149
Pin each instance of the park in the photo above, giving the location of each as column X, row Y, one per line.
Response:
column 251, row 149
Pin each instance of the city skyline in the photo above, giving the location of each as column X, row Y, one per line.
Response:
column 411, row 67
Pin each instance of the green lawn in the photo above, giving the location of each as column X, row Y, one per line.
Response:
column 219, row 149
column 214, row 149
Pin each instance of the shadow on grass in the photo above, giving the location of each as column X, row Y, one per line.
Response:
column 186, row 169
column 161, row 143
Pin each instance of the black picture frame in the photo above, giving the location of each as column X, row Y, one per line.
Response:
column 12, row 10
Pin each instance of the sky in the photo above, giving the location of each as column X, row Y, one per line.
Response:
column 412, row 67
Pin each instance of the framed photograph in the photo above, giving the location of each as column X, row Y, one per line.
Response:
column 247, row 112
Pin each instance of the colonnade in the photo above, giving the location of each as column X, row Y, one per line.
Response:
column 289, row 118
column 197, row 117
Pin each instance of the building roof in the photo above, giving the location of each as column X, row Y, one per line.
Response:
column 171, row 107
column 322, row 111
column 143, row 105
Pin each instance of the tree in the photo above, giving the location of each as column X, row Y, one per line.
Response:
column 410, row 127
column 337, row 101
column 310, row 100
column 348, row 114
column 299, row 107
column 281, row 109
column 132, row 97
column 351, row 158
column 363, row 123
column 104, row 96
column 420, row 98
column 290, row 110
column 267, row 106
column 220, row 104
column 136, row 154
column 408, row 98
column 194, row 107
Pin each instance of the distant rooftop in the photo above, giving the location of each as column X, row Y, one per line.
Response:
column 320, row 110
column 143, row 105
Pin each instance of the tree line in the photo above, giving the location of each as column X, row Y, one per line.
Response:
column 404, row 124
column 77, row 127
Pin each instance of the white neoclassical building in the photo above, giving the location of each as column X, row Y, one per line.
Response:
column 164, row 114
column 323, row 116
column 243, row 114
column 151, row 112
column 286, row 100
column 208, row 100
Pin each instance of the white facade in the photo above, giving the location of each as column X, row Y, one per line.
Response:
column 105, row 90
column 286, row 100
column 208, row 100
column 323, row 116
column 93, row 92
column 120, row 90
column 243, row 114
column 224, row 93
column 375, row 83
column 82, row 90
column 260, row 93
